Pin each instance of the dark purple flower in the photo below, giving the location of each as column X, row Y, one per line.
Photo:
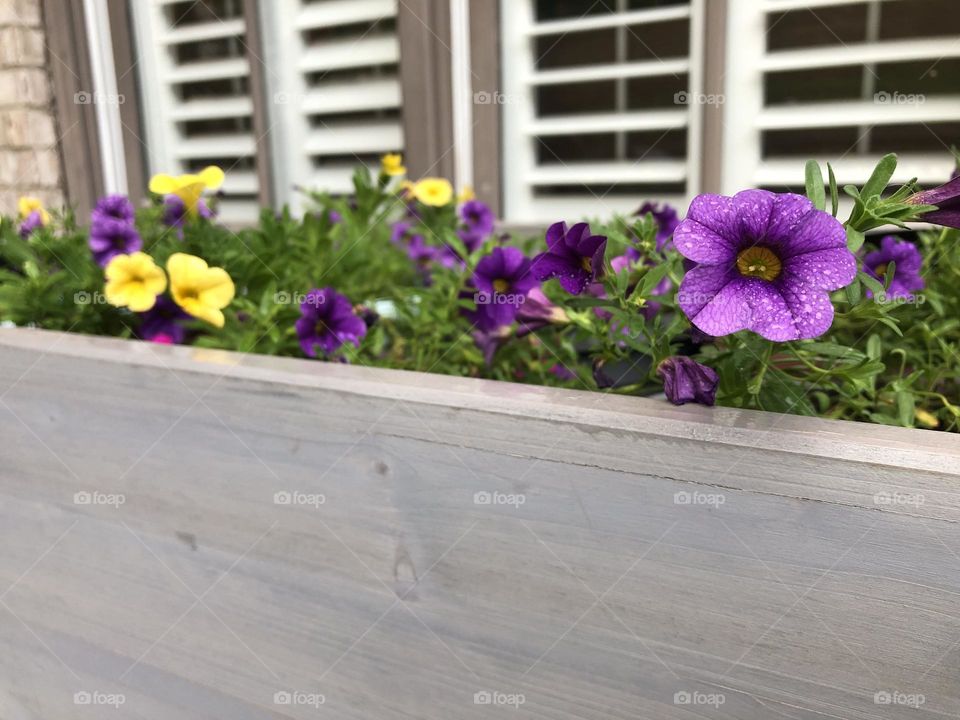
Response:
column 625, row 261
column 164, row 320
column 666, row 218
column 175, row 213
column 906, row 274
column 490, row 340
column 471, row 240
column 327, row 321
column 334, row 217
column 109, row 238
column 400, row 232
column 503, row 280
column 478, row 217
column 574, row 256
column 112, row 207
column 30, row 223
column 766, row 263
column 537, row 311
column 685, row 380
column 562, row 372
column 946, row 198
column 420, row 252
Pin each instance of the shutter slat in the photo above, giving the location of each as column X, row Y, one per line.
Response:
column 210, row 70
column 371, row 137
column 860, row 113
column 589, row 73
column 205, row 31
column 216, row 147
column 367, row 95
column 335, row 179
column 351, row 54
column 600, row 173
column 609, row 122
column 637, row 17
column 928, row 169
column 861, row 53
column 240, row 182
column 344, row 12
column 210, row 109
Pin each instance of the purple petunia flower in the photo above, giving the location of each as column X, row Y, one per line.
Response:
column 538, row 311
column 163, row 322
column 503, row 280
column 112, row 207
column 400, row 232
column 327, row 321
column 906, row 274
column 667, row 221
column 946, row 198
column 765, row 263
column 685, row 380
column 175, row 214
column 30, row 223
column 471, row 240
column 574, row 257
column 478, row 217
column 109, row 238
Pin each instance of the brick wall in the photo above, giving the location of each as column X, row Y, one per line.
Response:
column 29, row 156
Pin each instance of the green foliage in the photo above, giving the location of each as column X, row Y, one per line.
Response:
column 894, row 363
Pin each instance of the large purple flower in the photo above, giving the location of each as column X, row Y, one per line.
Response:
column 327, row 321
column 946, row 198
column 765, row 263
column 110, row 237
column 30, row 223
column 503, row 280
column 112, row 207
column 667, row 221
column 574, row 256
column 907, row 260
column 164, row 321
column 477, row 217
column 685, row 380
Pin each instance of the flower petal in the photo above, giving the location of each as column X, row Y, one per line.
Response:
column 163, row 184
column 812, row 309
column 212, row 177
column 814, row 232
column 754, row 208
column 789, row 210
column 821, row 270
column 572, row 278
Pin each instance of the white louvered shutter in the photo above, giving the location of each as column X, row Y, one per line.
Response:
column 197, row 108
column 333, row 74
column 594, row 113
column 840, row 80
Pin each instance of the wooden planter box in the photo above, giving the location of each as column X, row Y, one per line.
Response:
column 400, row 545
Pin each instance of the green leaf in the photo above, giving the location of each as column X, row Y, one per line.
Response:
column 834, row 192
column 854, row 294
column 814, row 184
column 880, row 177
column 876, row 287
column 906, row 406
column 855, row 239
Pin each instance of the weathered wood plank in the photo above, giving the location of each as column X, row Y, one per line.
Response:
column 781, row 587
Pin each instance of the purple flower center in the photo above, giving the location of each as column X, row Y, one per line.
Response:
column 759, row 262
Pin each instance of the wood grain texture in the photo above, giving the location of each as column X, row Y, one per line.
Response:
column 782, row 588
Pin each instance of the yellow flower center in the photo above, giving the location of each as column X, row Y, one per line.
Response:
column 881, row 270
column 500, row 285
column 587, row 264
column 759, row 262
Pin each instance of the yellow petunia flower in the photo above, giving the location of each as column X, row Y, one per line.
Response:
column 28, row 205
column 436, row 192
column 466, row 194
column 188, row 187
column 134, row 281
column 200, row 290
column 392, row 164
